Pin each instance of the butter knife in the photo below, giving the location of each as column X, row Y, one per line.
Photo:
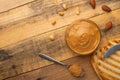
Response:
column 111, row 50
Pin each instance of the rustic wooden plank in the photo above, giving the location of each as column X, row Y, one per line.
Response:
column 10, row 4
column 27, row 55
column 24, row 54
column 41, row 23
column 57, row 72
column 50, row 7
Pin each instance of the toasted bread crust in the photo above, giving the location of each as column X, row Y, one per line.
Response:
column 107, row 69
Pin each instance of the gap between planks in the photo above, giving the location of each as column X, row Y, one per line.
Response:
column 50, row 8
column 39, row 24
column 25, row 53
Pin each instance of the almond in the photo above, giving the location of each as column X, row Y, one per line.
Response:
column 108, row 25
column 106, row 8
column 93, row 3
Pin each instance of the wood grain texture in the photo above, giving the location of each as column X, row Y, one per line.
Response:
column 57, row 72
column 47, row 8
column 24, row 53
column 41, row 23
column 6, row 5
column 23, row 38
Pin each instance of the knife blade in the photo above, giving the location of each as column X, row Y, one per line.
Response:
column 111, row 50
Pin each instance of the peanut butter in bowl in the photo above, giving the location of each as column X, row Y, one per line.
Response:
column 83, row 36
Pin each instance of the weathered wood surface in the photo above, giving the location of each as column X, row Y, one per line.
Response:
column 57, row 72
column 24, row 38
column 6, row 5
column 40, row 23
column 46, row 8
column 25, row 53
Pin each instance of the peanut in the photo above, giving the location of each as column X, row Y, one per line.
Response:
column 61, row 13
column 64, row 6
column 52, row 37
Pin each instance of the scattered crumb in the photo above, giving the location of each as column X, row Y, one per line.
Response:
column 52, row 37
column 77, row 10
column 64, row 6
column 61, row 13
column 53, row 21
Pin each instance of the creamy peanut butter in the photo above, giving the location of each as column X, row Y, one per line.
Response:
column 75, row 70
column 83, row 36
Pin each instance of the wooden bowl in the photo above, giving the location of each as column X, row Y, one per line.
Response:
column 83, row 36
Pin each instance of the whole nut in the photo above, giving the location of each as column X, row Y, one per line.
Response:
column 106, row 8
column 53, row 21
column 64, row 6
column 61, row 13
column 52, row 37
column 108, row 25
column 92, row 3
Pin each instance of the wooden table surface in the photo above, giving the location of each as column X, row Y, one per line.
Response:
column 25, row 27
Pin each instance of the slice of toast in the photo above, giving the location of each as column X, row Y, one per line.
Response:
column 108, row 68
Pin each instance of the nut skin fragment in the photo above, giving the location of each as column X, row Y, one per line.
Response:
column 61, row 13
column 75, row 70
column 52, row 37
column 64, row 6
column 53, row 22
